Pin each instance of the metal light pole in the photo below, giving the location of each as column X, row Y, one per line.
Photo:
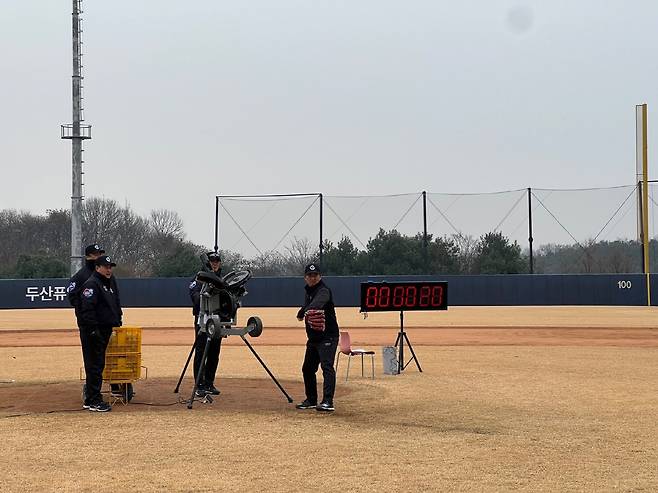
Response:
column 76, row 132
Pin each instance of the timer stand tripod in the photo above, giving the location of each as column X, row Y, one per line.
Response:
column 403, row 296
column 402, row 338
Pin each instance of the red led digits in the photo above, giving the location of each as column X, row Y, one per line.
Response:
column 437, row 295
column 398, row 296
column 384, row 297
column 371, row 297
column 410, row 298
column 425, row 292
column 404, row 295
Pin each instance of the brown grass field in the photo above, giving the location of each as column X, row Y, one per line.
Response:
column 510, row 399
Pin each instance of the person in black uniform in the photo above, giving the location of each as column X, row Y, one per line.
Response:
column 207, row 382
column 319, row 315
column 100, row 310
column 92, row 252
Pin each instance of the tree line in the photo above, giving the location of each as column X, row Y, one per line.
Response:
column 36, row 246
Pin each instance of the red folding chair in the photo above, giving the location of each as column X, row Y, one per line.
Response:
column 345, row 347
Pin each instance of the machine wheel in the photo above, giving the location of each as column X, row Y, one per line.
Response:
column 127, row 391
column 256, row 326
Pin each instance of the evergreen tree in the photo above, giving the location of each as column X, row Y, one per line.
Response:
column 496, row 255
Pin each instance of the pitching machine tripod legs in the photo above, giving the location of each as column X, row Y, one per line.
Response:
column 189, row 357
column 266, row 369
column 202, row 367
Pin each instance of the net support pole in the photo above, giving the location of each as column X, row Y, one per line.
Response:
column 321, row 239
column 530, row 239
column 217, row 223
column 425, row 253
column 642, row 167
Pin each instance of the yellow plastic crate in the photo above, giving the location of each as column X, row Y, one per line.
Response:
column 123, row 357
column 122, row 368
column 125, row 340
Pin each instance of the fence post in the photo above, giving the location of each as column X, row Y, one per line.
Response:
column 216, row 223
column 321, row 246
column 530, row 228
column 425, row 226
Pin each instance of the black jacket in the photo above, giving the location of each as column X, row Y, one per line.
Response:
column 75, row 285
column 319, row 297
column 195, row 293
column 100, row 305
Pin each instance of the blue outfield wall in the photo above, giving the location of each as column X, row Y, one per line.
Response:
column 510, row 290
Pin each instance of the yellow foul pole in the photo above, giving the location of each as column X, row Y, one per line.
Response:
column 643, row 164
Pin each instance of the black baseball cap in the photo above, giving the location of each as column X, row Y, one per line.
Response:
column 105, row 260
column 214, row 256
column 93, row 249
column 312, row 268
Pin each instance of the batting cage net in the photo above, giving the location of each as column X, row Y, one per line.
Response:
column 469, row 216
column 255, row 225
column 653, row 233
column 359, row 218
column 584, row 216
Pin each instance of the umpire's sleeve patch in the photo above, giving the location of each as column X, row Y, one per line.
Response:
column 71, row 287
column 192, row 284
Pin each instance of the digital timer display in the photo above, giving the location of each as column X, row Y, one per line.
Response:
column 404, row 296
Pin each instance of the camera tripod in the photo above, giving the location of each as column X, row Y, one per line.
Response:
column 254, row 328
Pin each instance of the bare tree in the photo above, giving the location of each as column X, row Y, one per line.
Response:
column 10, row 246
column 100, row 222
column 300, row 252
column 267, row 264
column 167, row 224
column 56, row 233
column 467, row 252
column 588, row 259
column 132, row 243
column 232, row 261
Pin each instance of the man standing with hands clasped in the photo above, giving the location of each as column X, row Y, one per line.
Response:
column 100, row 310
column 319, row 315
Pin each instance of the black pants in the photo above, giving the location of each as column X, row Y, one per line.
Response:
column 212, row 358
column 320, row 353
column 93, row 355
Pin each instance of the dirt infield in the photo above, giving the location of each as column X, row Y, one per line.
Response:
column 150, row 394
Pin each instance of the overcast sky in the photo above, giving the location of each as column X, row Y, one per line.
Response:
column 192, row 99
